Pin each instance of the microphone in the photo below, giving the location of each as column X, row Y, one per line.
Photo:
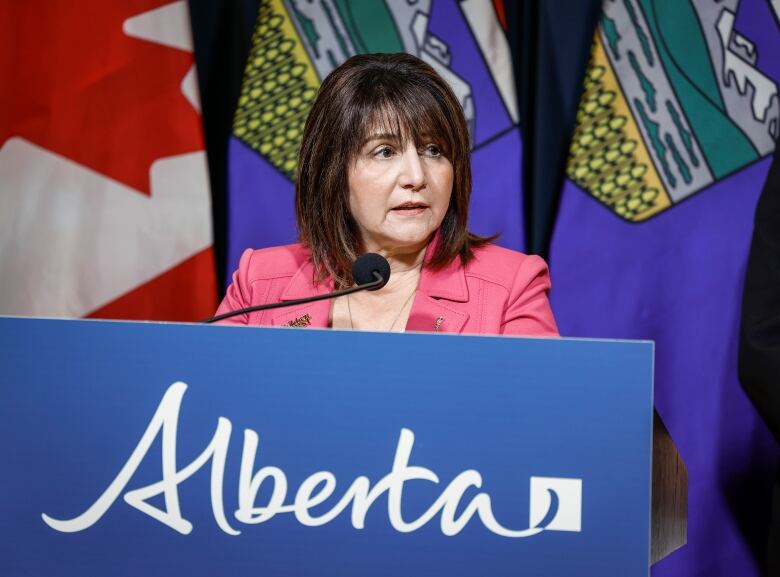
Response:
column 371, row 272
column 367, row 268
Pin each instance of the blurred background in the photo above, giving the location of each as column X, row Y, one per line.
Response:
column 145, row 143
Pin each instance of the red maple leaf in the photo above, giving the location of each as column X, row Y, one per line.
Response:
column 74, row 83
column 185, row 293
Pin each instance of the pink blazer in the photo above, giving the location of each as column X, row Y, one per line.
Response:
column 499, row 292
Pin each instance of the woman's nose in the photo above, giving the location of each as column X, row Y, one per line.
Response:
column 412, row 174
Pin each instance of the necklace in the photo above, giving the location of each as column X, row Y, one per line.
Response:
column 398, row 316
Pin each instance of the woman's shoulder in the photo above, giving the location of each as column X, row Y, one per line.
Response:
column 504, row 266
column 274, row 261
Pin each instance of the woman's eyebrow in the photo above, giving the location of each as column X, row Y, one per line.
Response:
column 389, row 136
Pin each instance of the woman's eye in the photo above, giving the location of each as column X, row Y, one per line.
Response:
column 433, row 150
column 384, row 152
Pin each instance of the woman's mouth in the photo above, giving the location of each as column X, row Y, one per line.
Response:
column 410, row 208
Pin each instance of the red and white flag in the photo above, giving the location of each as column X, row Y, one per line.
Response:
column 105, row 208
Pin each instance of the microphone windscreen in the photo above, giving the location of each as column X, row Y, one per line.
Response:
column 366, row 265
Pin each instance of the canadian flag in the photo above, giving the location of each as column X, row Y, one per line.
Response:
column 105, row 208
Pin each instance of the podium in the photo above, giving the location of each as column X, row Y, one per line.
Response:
column 173, row 449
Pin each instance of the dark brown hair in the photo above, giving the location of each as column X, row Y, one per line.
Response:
column 402, row 95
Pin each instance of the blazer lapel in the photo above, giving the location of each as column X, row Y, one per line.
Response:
column 432, row 315
column 432, row 310
column 316, row 314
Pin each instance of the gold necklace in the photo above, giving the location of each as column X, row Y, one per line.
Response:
column 398, row 316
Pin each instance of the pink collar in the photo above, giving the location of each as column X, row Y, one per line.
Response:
column 428, row 312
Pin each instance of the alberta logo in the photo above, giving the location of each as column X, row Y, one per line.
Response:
column 555, row 503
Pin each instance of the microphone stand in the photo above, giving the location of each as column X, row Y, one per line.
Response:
column 377, row 283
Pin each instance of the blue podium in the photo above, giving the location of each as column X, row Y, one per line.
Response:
column 145, row 449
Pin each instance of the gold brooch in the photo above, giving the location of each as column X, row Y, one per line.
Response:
column 299, row 322
column 437, row 324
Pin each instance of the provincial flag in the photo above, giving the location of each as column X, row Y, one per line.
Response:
column 297, row 43
column 675, row 130
column 104, row 196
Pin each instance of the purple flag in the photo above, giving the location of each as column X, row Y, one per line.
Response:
column 678, row 118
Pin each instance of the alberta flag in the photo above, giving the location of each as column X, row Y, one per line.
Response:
column 675, row 130
column 104, row 196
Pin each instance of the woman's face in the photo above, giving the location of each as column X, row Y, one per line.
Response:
column 398, row 193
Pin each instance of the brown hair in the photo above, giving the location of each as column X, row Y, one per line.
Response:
column 405, row 96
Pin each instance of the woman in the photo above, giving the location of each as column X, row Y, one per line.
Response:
column 384, row 167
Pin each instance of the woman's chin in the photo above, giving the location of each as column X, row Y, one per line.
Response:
column 411, row 241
